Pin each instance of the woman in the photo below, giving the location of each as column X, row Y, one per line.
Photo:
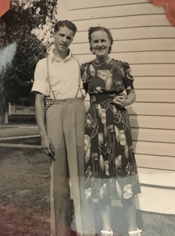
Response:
column 110, row 163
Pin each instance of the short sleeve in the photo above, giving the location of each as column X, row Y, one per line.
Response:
column 40, row 78
column 128, row 78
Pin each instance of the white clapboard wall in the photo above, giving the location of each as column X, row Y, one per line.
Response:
column 146, row 39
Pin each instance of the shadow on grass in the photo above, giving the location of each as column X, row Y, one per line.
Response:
column 30, row 141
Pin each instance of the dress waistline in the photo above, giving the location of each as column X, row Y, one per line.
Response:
column 102, row 98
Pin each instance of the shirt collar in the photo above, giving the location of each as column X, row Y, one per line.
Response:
column 56, row 59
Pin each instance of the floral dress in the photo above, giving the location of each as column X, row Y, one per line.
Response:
column 110, row 166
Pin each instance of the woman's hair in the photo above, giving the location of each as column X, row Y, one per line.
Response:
column 65, row 23
column 100, row 28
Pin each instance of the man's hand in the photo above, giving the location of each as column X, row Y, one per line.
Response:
column 47, row 146
column 46, row 143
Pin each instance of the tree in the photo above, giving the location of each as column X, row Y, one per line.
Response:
column 22, row 24
column 18, row 76
column 24, row 16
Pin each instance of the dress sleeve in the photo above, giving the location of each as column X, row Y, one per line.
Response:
column 84, row 74
column 128, row 78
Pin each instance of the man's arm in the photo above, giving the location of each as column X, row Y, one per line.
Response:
column 40, row 118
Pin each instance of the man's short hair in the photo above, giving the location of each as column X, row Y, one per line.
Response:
column 65, row 23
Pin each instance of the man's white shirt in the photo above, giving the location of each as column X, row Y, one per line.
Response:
column 64, row 76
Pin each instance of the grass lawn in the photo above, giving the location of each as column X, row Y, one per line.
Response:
column 24, row 197
column 24, row 192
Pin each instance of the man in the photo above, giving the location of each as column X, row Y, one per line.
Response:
column 62, row 135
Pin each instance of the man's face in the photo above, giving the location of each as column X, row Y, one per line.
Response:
column 63, row 39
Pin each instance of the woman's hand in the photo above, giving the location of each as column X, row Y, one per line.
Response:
column 47, row 146
column 122, row 100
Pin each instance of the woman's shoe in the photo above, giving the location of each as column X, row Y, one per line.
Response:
column 136, row 232
column 105, row 233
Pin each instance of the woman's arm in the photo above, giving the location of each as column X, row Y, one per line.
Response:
column 131, row 97
column 125, row 100
column 40, row 118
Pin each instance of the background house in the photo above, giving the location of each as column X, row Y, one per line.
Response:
column 146, row 39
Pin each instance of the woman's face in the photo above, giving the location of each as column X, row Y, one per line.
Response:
column 100, row 43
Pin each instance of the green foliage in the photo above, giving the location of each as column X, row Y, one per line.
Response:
column 17, row 26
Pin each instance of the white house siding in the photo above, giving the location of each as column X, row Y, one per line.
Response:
column 144, row 38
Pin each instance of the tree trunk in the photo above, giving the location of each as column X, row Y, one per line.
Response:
column 4, row 118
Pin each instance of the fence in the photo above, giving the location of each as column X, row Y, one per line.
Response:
column 21, row 110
